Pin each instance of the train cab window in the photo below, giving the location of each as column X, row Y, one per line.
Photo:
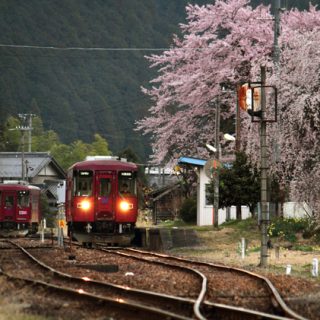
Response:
column 127, row 183
column 23, row 199
column 105, row 187
column 9, row 201
column 83, row 183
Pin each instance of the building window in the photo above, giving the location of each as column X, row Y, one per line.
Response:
column 208, row 195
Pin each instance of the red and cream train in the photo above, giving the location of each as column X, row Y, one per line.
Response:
column 101, row 200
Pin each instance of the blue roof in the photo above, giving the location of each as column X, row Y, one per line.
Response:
column 193, row 161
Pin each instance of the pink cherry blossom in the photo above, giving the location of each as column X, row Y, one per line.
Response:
column 227, row 42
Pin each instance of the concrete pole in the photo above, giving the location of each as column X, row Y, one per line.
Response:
column 22, row 156
column 276, row 52
column 216, row 177
column 264, row 177
column 238, row 124
column 29, row 132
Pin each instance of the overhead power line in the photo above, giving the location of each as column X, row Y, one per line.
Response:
column 57, row 48
column 80, row 48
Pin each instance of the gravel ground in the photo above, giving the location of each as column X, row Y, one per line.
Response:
column 299, row 289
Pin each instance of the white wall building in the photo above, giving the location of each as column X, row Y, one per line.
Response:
column 205, row 210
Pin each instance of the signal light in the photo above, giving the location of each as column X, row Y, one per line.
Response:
column 249, row 98
column 242, row 96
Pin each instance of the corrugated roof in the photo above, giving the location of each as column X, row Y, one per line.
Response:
column 11, row 166
column 192, row 161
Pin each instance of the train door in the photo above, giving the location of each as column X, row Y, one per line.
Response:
column 105, row 194
column 8, row 205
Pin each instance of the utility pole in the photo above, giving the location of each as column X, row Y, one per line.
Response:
column 276, row 61
column 23, row 165
column 276, row 50
column 216, row 171
column 27, row 118
column 29, row 133
column 264, row 174
column 238, row 124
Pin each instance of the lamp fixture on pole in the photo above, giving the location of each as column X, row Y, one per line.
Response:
column 211, row 148
column 215, row 163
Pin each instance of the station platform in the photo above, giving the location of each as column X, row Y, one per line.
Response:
column 162, row 239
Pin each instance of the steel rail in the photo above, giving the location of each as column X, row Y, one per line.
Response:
column 124, row 289
column 116, row 302
column 207, row 306
column 203, row 278
column 288, row 311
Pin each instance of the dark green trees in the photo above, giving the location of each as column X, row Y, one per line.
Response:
column 239, row 184
column 48, row 140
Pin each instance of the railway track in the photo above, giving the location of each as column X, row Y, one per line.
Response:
column 199, row 303
column 148, row 304
column 260, row 291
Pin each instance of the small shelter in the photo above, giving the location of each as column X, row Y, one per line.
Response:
column 204, row 207
column 205, row 214
column 166, row 202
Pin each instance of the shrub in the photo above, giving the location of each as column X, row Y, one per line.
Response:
column 47, row 213
column 317, row 236
column 188, row 211
column 286, row 228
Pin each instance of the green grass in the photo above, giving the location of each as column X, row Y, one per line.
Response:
column 241, row 224
column 255, row 249
column 303, row 248
column 245, row 228
column 182, row 224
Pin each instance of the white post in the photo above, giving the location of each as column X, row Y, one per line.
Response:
column 288, row 269
column 42, row 231
column 60, row 230
column 315, row 267
column 243, row 248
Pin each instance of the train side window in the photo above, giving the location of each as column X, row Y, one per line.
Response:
column 9, row 201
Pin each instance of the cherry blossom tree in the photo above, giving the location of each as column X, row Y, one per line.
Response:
column 227, row 43
column 299, row 134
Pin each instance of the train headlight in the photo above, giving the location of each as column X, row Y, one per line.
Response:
column 125, row 206
column 85, row 204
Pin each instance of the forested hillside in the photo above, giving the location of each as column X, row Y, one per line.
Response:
column 79, row 92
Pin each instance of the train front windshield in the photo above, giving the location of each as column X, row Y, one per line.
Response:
column 127, row 183
column 23, row 199
column 82, row 183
